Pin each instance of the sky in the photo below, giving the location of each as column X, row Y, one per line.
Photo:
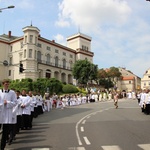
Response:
column 120, row 29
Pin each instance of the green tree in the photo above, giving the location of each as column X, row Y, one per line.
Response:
column 84, row 71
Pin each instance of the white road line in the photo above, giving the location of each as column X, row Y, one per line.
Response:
column 94, row 113
column 144, row 146
column 76, row 148
column 40, row 149
column 82, row 129
column 88, row 116
column 112, row 147
column 86, row 141
column 83, row 121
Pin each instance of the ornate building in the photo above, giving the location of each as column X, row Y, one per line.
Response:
column 40, row 57
column 145, row 81
column 129, row 81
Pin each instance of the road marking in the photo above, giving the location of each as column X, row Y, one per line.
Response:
column 76, row 148
column 86, row 141
column 40, row 149
column 112, row 147
column 82, row 129
column 94, row 113
column 144, row 146
column 83, row 121
column 88, row 116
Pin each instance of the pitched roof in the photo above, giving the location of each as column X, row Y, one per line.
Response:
column 128, row 78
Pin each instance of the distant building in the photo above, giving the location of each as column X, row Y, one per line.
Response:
column 145, row 81
column 129, row 81
column 40, row 57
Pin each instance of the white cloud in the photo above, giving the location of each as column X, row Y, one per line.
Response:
column 119, row 28
column 60, row 39
column 62, row 23
column 93, row 13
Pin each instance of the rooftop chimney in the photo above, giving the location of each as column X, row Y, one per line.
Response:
column 9, row 34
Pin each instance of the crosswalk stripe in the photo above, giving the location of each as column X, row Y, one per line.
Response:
column 144, row 146
column 86, row 141
column 40, row 149
column 76, row 148
column 112, row 147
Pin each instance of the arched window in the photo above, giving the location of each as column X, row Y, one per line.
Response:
column 71, row 64
column 56, row 61
column 39, row 56
column 64, row 63
column 48, row 73
column 48, row 59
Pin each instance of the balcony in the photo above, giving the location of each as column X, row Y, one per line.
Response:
column 54, row 65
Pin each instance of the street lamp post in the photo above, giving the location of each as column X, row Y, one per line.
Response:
column 9, row 7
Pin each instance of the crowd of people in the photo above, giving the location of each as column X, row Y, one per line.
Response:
column 144, row 101
column 19, row 108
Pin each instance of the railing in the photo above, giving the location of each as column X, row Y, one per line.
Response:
column 54, row 65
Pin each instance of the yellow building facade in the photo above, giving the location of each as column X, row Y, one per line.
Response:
column 41, row 57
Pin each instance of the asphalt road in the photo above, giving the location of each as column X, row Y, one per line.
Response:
column 94, row 126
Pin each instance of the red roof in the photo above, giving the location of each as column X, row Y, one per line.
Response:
column 128, row 78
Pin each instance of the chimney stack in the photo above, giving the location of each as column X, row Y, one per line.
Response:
column 9, row 34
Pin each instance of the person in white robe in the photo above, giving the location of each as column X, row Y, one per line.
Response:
column 142, row 100
column 26, row 110
column 19, row 112
column 32, row 105
column 8, row 101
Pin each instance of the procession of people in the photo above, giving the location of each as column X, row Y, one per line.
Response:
column 18, row 109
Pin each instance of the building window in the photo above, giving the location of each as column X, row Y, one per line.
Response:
column 48, row 74
column 56, row 61
column 10, row 60
column 48, row 59
column 30, row 53
column 25, row 39
column 31, row 39
column 39, row 56
column 35, row 54
column 48, row 48
column 148, row 76
column 71, row 56
column 25, row 53
column 56, row 51
column 64, row 63
column 129, row 82
column 39, row 45
column 9, row 73
column 64, row 53
column 11, row 48
column 71, row 64
column 21, row 44
column 144, row 84
column 84, row 47
column 35, row 40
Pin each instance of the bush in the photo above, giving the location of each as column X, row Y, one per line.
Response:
column 82, row 90
column 69, row 89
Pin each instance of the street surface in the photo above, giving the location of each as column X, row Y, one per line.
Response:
column 93, row 126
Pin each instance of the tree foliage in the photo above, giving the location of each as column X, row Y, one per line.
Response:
column 106, row 77
column 84, row 71
column 69, row 89
column 41, row 85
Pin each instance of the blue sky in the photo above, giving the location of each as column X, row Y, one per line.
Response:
column 120, row 29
